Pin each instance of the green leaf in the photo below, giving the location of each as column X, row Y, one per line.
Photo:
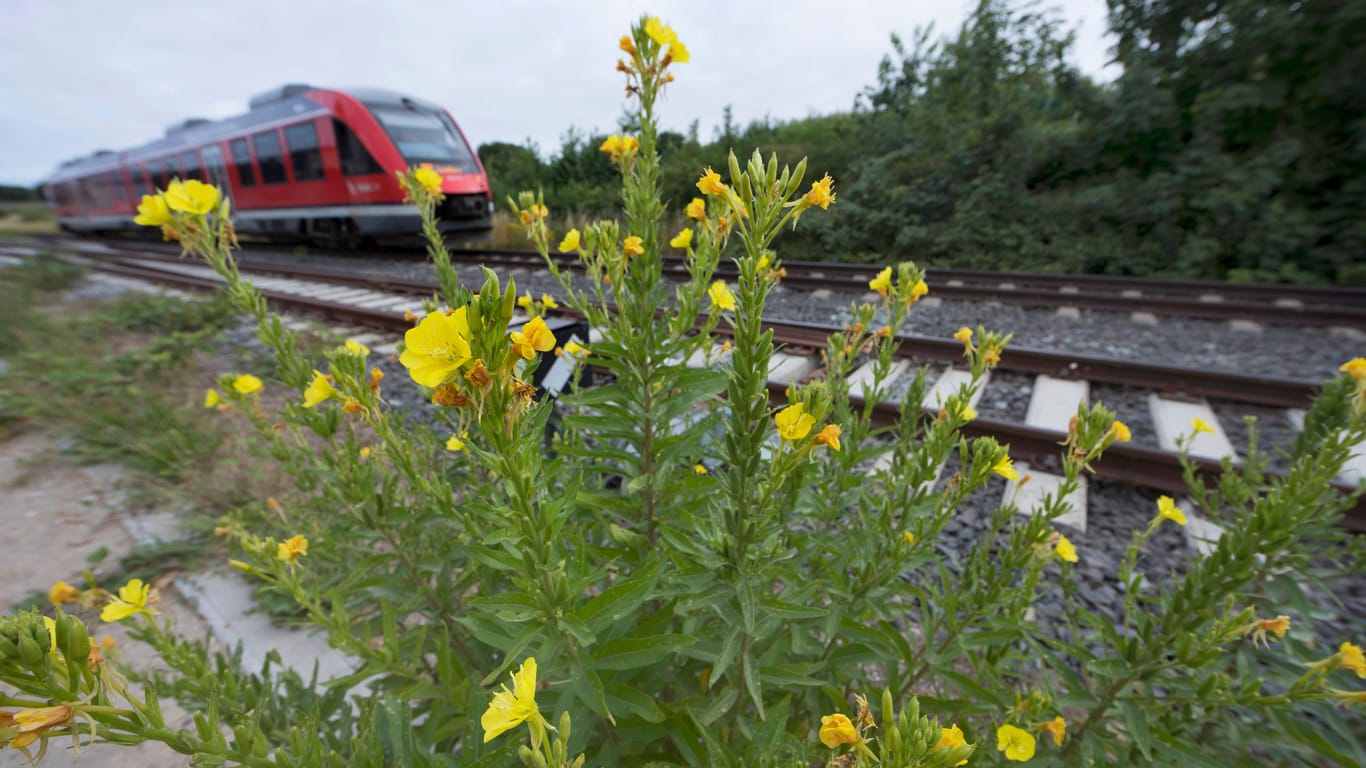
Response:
column 1136, row 721
column 634, row 652
column 751, row 675
column 626, row 700
column 620, row 599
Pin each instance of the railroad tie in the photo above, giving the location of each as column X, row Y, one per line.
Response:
column 1052, row 404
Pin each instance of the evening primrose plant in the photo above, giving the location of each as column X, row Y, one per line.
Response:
column 692, row 562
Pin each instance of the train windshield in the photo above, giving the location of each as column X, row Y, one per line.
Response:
column 426, row 137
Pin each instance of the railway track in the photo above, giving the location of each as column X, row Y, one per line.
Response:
column 1177, row 393
column 1140, row 297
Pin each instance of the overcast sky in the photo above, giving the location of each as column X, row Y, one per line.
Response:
column 79, row 75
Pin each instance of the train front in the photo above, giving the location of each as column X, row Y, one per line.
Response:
column 426, row 135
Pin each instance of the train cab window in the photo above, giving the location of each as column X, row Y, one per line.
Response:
column 356, row 160
column 241, row 159
column 426, row 137
column 190, row 162
column 268, row 157
column 304, row 154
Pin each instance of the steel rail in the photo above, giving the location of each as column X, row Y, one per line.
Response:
column 1129, row 464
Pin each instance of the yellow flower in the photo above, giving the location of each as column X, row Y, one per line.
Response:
column 437, row 347
column 698, row 469
column 574, row 348
column 908, row 537
column 1356, row 367
column 153, row 212
column 211, row 398
column 50, row 624
column 951, row 737
column 1057, row 728
column 1017, row 743
column 1006, row 468
column 352, row 406
column 682, row 239
column 291, row 549
column 1200, row 425
column 524, row 301
column 964, row 335
column 62, row 592
column 632, row 246
column 134, row 597
column 882, row 283
column 836, row 729
column 1352, row 659
column 678, row 53
column 365, row 453
column 710, row 183
column 794, row 422
column 534, row 337
column 967, row 412
column 611, row 145
column 247, row 384
column 918, row 290
column 721, row 297
column 1066, row 549
column 829, row 436
column 510, row 709
column 627, row 45
column 356, row 348
column 764, row 261
column 548, row 301
column 455, row 444
column 822, row 193
column 319, row 390
column 659, row 32
column 33, row 723
column 429, row 179
column 697, row 209
column 1121, row 432
column 1167, row 510
column 191, row 196
column 1277, row 626
column 570, row 241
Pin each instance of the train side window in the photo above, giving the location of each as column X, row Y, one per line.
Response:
column 356, row 160
column 140, row 185
column 241, row 159
column 190, row 162
column 304, row 154
column 116, row 180
column 268, row 157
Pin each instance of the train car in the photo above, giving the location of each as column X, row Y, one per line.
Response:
column 303, row 163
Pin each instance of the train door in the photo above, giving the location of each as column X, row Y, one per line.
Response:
column 213, row 166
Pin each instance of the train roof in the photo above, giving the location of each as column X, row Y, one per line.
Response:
column 269, row 107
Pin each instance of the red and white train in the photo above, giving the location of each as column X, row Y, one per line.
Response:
column 304, row 163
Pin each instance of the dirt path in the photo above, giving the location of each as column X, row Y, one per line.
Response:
column 54, row 513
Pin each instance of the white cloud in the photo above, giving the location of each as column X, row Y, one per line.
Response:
column 88, row 74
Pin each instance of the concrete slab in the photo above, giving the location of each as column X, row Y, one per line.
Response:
column 1354, row 470
column 1347, row 332
column 1131, row 293
column 1201, row 534
column 821, row 294
column 949, row 382
column 784, row 369
column 1245, row 326
column 1211, row 298
column 1053, row 402
column 1289, row 303
column 1068, row 289
column 382, row 301
column 708, row 358
column 226, row 603
column 1143, row 318
column 1174, row 418
column 1028, row 495
column 931, row 302
column 1069, row 313
column 861, row 380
